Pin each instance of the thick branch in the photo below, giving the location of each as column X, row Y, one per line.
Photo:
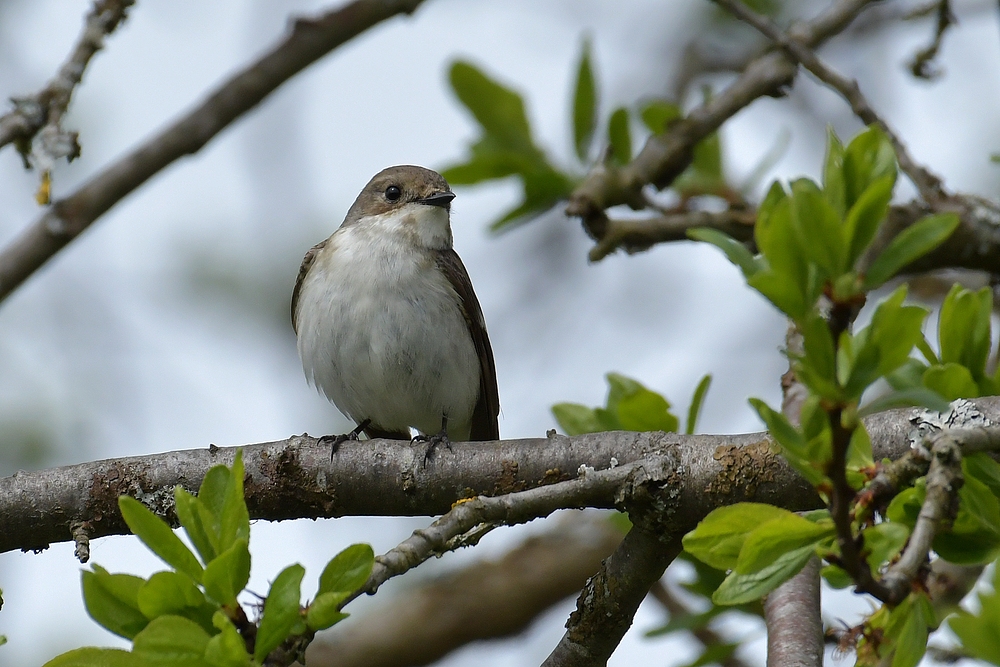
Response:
column 295, row 478
column 309, row 40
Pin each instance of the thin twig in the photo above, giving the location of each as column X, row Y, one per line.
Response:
column 928, row 184
column 922, row 64
column 308, row 40
column 638, row 235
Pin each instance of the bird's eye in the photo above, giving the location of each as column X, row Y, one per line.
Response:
column 393, row 193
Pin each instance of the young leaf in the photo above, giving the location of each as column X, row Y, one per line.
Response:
column 234, row 520
column 169, row 593
column 743, row 588
column 645, row 410
column 575, row 419
column 866, row 215
column 905, row 398
column 867, row 158
column 736, row 252
column 226, row 649
column 213, row 489
column 909, row 245
column 620, row 136
column 883, row 542
column 771, row 540
column 324, row 611
column 818, row 228
column 95, row 657
column 172, row 641
column 158, row 536
column 718, row 539
column 656, row 115
column 964, row 328
column 112, row 601
column 906, row 629
column 347, row 571
column 833, row 173
column 227, row 575
column 584, row 104
column 498, row 109
column 200, row 525
column 951, row 381
column 695, row 410
column 281, row 611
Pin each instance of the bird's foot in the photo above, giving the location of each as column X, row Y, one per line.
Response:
column 335, row 441
column 433, row 442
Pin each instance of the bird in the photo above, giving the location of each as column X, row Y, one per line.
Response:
column 388, row 326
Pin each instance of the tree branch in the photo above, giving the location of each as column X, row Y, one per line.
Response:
column 927, row 183
column 485, row 600
column 666, row 155
column 309, row 40
column 45, row 109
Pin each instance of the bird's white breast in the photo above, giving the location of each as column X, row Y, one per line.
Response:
column 380, row 328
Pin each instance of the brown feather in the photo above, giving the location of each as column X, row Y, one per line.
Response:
column 484, row 416
column 307, row 262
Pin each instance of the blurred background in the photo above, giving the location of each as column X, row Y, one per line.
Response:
column 166, row 325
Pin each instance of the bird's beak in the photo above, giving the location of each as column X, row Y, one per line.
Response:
column 442, row 199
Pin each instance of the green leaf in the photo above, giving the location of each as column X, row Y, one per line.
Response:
column 645, row 410
column 112, row 601
column 866, row 159
column 908, row 376
column 785, row 294
column 227, row 648
column 984, row 469
column 690, row 621
column 905, row 398
column 234, row 520
column 905, row 506
column 833, row 173
column 227, row 575
column 172, row 641
column 498, row 109
column 736, row 252
column 199, row 524
column 907, row 630
column 620, row 136
column 818, row 228
column 158, row 536
column 656, row 115
column 771, row 540
column 817, row 368
column 836, row 577
column 718, row 539
column 169, row 593
column 964, row 328
column 281, row 611
column 979, row 632
column 584, row 104
column 95, row 657
column 212, row 493
column 909, row 245
column 696, row 401
column 347, row 571
column 974, row 537
column 325, row 610
column 866, row 215
column 883, row 542
column 951, row 381
column 742, row 588
column 575, row 419
column 798, row 451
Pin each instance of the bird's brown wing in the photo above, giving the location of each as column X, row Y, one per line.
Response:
column 307, row 262
column 484, row 417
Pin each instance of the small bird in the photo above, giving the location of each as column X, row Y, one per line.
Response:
column 388, row 326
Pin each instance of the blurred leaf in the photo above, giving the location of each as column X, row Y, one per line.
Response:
column 620, row 136
column 818, row 228
column 883, row 542
column 645, row 410
column 719, row 537
column 575, row 419
column 951, row 381
column 498, row 109
column 908, row 376
column 907, row 629
column 736, row 252
column 170, row 593
column 159, row 537
column 347, row 571
column 909, row 245
column 656, row 115
column 95, row 657
column 964, row 328
column 200, row 525
column 868, row 158
column 172, row 641
column 281, row 611
column 696, row 402
column 112, row 601
column 227, row 648
column 866, row 215
column 980, row 632
column 794, row 446
column 234, row 520
column 773, row 539
column 324, row 611
column 227, row 575
column 742, row 588
column 834, row 187
column 905, row 398
column 584, row 105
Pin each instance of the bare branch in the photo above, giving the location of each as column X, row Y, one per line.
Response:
column 922, row 66
column 927, row 183
column 794, row 623
column 485, row 600
column 309, row 40
column 666, row 155
column 638, row 235
column 45, row 109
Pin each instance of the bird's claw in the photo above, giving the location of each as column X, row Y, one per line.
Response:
column 335, row 441
column 433, row 442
